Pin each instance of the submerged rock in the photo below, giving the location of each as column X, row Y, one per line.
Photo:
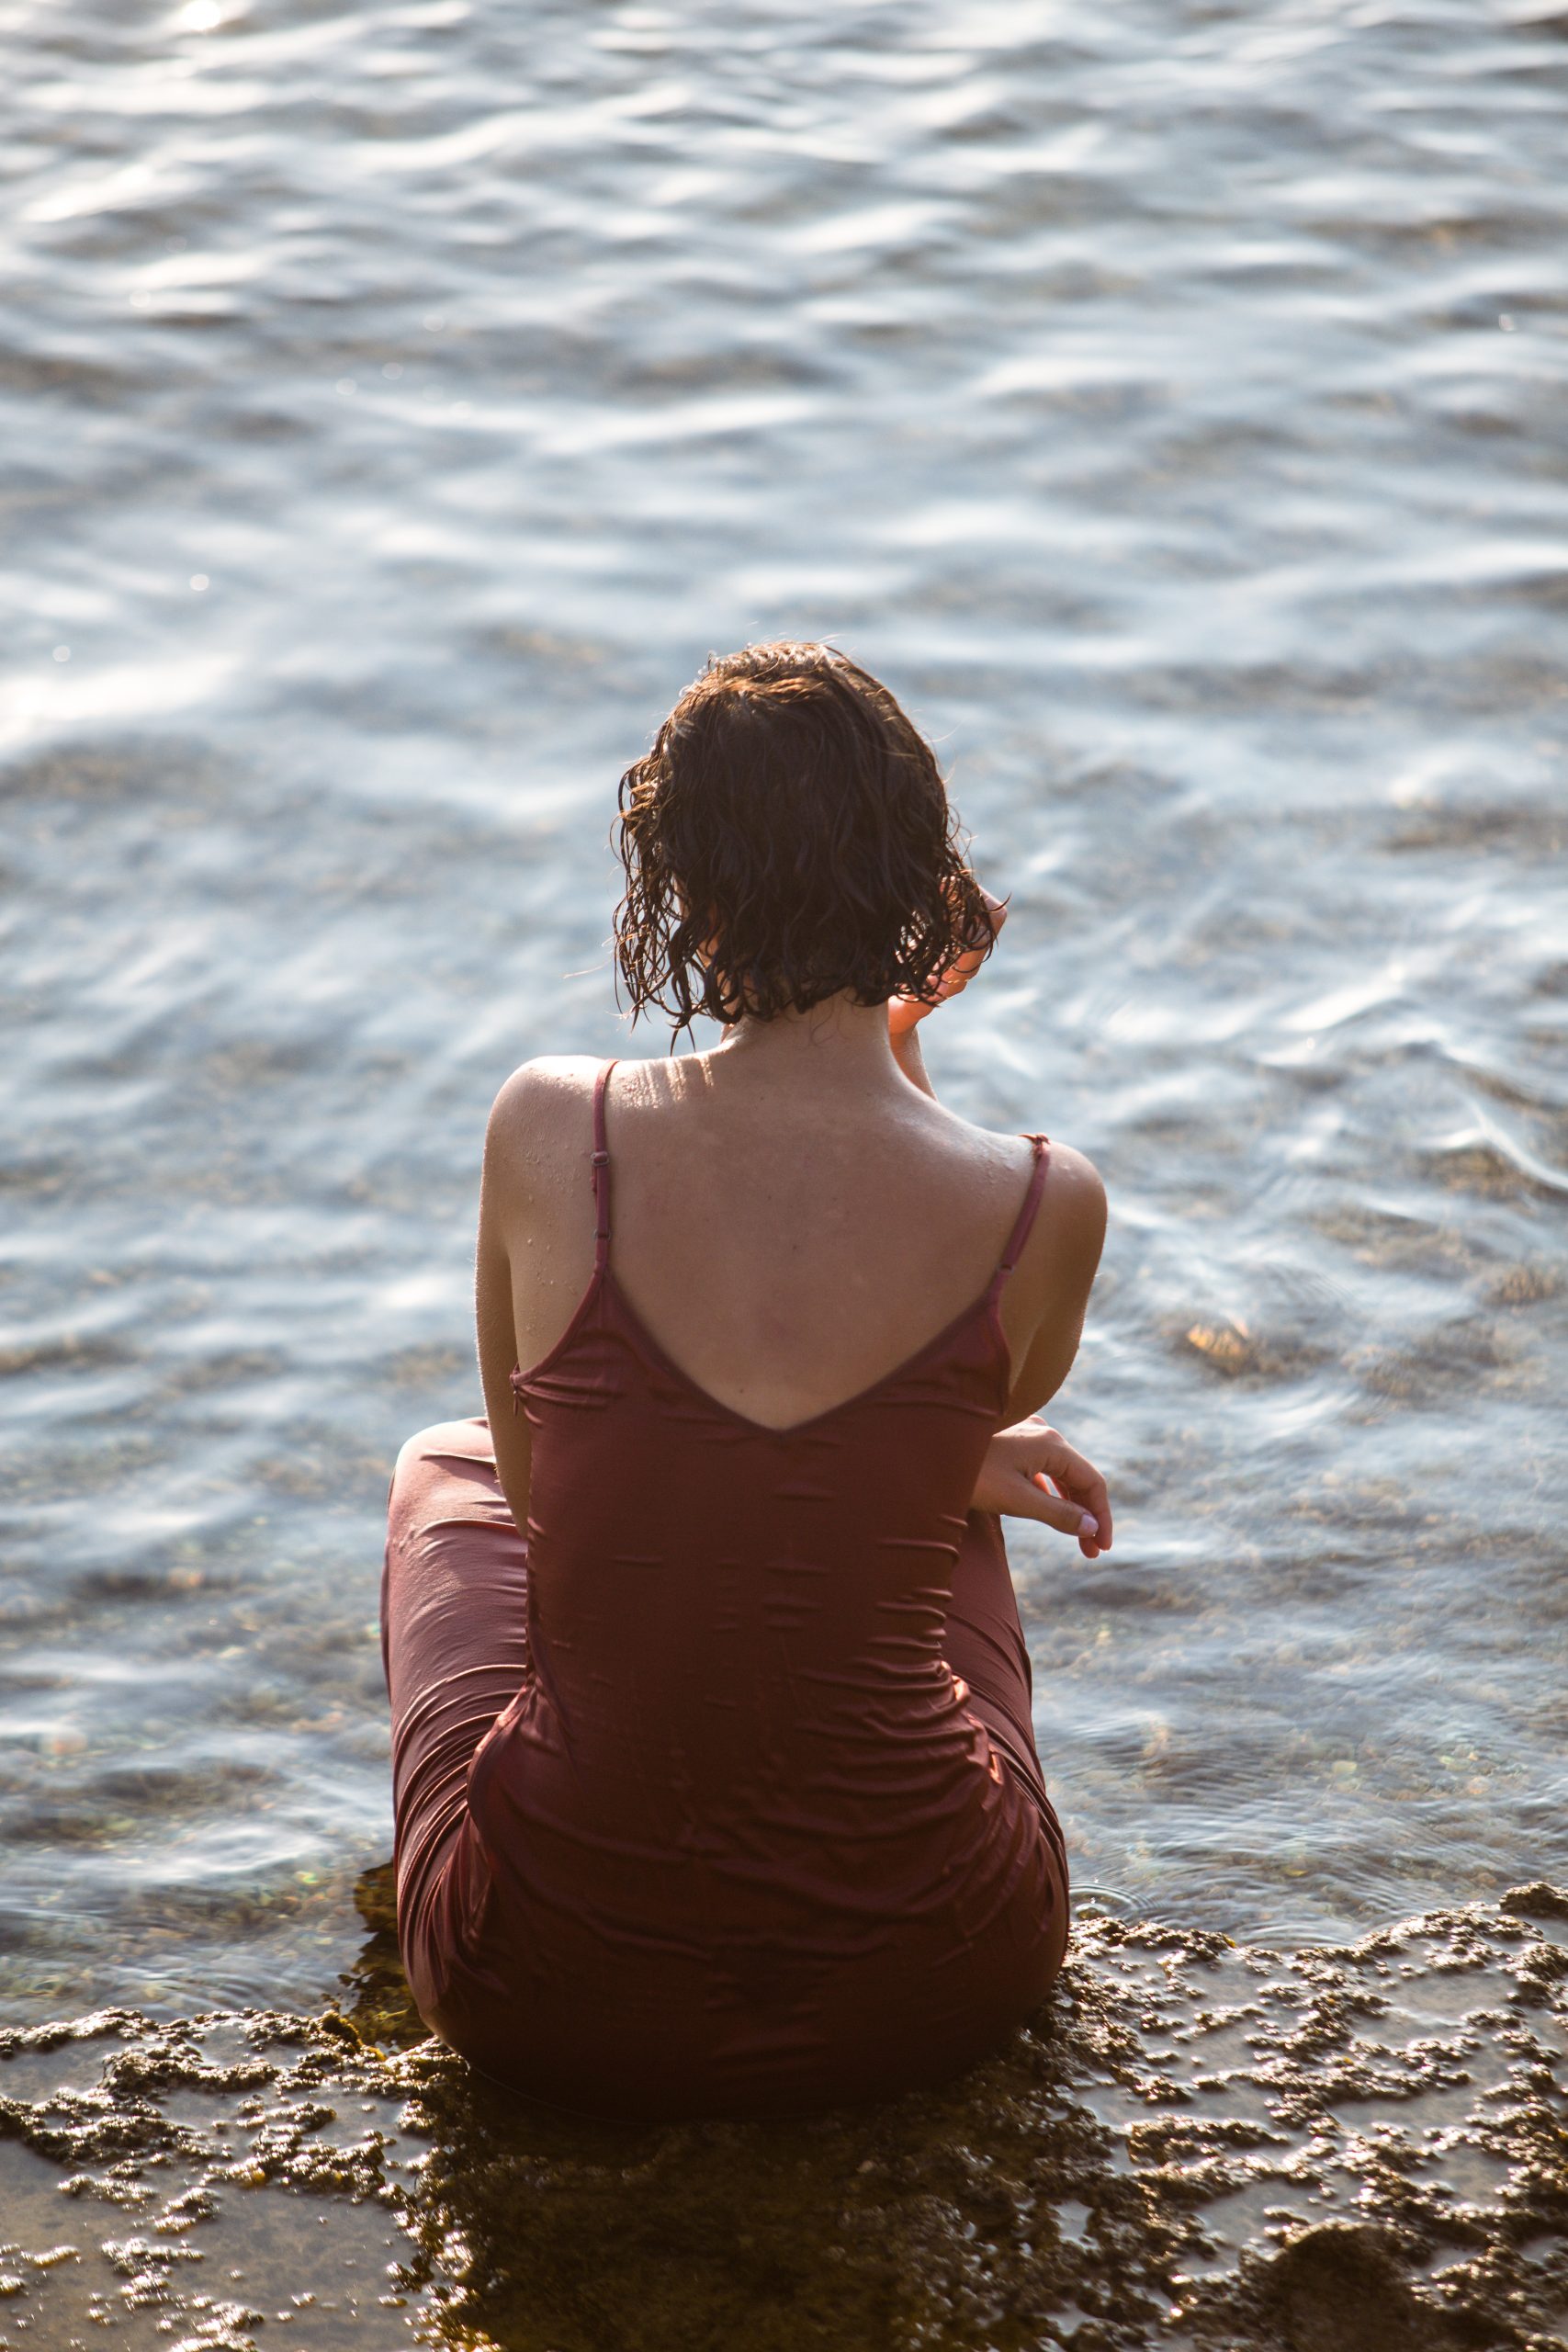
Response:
column 1195, row 2144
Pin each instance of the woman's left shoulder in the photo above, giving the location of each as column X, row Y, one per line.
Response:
column 1074, row 1182
column 1069, row 1230
column 541, row 1091
column 538, row 1127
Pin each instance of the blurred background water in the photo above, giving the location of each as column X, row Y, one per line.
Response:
column 399, row 402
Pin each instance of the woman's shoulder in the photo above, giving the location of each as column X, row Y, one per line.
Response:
column 1067, row 1229
column 1061, row 1254
column 1074, row 1182
column 546, row 1085
column 1073, row 1185
column 540, row 1115
column 1053, row 1274
column 548, row 1081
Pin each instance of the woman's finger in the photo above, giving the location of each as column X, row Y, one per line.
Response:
column 969, row 963
column 1070, row 1517
column 1074, row 1474
column 1083, row 1485
column 1075, row 1520
column 963, row 970
column 1035, row 1499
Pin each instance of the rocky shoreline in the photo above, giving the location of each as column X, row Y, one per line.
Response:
column 1351, row 2149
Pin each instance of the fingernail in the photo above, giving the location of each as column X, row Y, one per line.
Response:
column 1089, row 1525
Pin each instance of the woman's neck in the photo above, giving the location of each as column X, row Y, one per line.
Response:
column 837, row 1046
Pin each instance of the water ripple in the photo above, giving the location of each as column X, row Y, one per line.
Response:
column 400, row 402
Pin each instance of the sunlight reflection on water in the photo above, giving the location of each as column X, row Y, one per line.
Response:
column 402, row 401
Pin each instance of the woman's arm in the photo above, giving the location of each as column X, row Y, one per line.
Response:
column 1028, row 1458
column 1055, row 1275
column 904, row 1013
column 906, row 1044
column 499, row 1204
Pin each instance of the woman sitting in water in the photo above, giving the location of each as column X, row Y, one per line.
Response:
column 713, row 1769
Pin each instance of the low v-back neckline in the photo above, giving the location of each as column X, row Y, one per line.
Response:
column 604, row 1281
column 985, row 1304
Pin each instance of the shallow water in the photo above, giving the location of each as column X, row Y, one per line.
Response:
column 399, row 402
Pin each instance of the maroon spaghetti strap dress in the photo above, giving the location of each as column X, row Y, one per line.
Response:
column 717, row 1794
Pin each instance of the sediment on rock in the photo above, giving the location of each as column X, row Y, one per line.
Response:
column 1351, row 2150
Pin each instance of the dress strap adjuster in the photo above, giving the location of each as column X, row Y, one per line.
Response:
column 599, row 1164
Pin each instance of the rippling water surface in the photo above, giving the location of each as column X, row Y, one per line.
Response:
column 399, row 402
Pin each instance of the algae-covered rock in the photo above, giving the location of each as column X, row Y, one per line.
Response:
column 1193, row 2144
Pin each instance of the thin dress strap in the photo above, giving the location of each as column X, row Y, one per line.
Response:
column 1025, row 1218
column 601, row 1173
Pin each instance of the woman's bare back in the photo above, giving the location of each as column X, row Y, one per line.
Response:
column 790, row 1224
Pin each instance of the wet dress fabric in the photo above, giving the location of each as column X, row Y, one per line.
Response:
column 718, row 1794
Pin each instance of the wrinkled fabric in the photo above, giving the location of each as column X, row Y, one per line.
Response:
column 718, row 1793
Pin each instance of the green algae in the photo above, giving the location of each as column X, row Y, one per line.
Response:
column 1352, row 2149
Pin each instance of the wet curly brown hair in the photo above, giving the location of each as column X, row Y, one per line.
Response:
column 789, row 837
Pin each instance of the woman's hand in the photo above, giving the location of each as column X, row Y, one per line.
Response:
column 1031, row 1472
column 905, row 1012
